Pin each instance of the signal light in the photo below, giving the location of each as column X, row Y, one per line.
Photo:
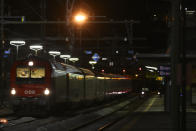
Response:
column 140, row 69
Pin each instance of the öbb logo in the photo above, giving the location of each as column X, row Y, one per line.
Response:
column 29, row 92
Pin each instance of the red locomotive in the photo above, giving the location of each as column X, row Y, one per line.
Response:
column 36, row 82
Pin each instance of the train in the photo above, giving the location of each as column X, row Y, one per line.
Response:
column 39, row 83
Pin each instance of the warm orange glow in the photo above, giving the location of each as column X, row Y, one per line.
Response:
column 119, row 78
column 102, row 78
column 3, row 120
column 80, row 18
column 159, row 78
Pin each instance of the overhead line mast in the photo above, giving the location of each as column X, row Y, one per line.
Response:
column 1, row 51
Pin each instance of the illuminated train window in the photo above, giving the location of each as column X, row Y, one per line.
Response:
column 23, row 72
column 36, row 72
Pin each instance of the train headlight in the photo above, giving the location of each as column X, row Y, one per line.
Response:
column 46, row 91
column 13, row 91
column 143, row 92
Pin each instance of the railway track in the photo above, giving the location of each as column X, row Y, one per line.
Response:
column 32, row 123
column 18, row 123
column 126, row 112
column 103, row 122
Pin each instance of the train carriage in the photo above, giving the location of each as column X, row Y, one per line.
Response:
column 37, row 82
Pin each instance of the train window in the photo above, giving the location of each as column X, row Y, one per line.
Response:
column 29, row 75
column 22, row 72
column 37, row 72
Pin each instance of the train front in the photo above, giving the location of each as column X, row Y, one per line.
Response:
column 30, row 85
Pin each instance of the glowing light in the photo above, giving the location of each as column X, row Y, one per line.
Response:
column 136, row 75
column 80, row 18
column 151, row 70
column 92, row 62
column 54, row 52
column 46, row 91
column 30, row 63
column 65, row 56
column 3, row 120
column 151, row 67
column 143, row 92
column 17, row 43
column 36, row 47
column 190, row 12
column 73, row 59
column 159, row 78
column 100, row 78
column 104, row 58
column 13, row 91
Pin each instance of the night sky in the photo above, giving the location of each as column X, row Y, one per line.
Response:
column 152, row 14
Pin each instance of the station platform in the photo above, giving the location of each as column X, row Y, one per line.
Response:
column 150, row 116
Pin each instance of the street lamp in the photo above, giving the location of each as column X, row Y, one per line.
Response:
column 92, row 63
column 73, row 59
column 36, row 48
column 17, row 44
column 65, row 57
column 54, row 53
column 80, row 18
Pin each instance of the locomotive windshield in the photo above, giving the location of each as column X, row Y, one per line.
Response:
column 30, row 74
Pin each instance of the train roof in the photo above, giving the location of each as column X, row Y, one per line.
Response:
column 87, row 72
column 32, row 58
column 62, row 66
column 71, row 69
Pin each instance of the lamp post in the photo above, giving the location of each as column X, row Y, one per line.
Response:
column 36, row 48
column 80, row 19
column 65, row 57
column 17, row 44
column 92, row 63
column 54, row 53
column 73, row 60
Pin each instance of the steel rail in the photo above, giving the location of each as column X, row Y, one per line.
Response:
column 101, row 117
